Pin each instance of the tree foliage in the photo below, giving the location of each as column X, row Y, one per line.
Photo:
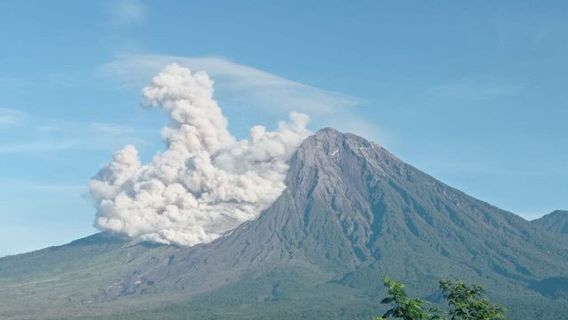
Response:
column 404, row 307
column 465, row 302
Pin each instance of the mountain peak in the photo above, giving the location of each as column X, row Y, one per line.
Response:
column 332, row 134
column 329, row 142
column 328, row 131
column 326, row 137
column 325, row 155
column 336, row 154
column 556, row 222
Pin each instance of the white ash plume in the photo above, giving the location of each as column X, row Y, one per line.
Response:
column 206, row 182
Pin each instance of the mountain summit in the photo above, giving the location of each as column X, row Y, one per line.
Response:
column 351, row 213
column 556, row 221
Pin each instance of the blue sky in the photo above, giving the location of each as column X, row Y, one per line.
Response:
column 472, row 92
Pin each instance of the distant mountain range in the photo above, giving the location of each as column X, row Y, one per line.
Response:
column 352, row 213
column 556, row 222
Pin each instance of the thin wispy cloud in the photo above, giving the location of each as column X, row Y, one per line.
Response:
column 10, row 117
column 22, row 132
column 45, row 186
column 475, row 90
column 31, row 146
column 126, row 12
column 252, row 88
column 13, row 82
column 255, row 87
column 73, row 188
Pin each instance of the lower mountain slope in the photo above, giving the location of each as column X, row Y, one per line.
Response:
column 351, row 214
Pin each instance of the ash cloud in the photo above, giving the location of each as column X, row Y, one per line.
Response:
column 206, row 182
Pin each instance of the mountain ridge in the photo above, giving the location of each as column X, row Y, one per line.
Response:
column 556, row 222
column 352, row 212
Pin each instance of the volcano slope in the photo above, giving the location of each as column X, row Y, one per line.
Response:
column 351, row 214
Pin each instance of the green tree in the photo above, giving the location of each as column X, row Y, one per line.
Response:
column 467, row 302
column 404, row 307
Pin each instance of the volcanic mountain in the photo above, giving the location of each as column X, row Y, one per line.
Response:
column 351, row 214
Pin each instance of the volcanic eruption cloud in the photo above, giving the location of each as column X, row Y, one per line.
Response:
column 206, row 182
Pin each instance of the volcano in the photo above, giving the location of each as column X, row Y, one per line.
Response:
column 351, row 214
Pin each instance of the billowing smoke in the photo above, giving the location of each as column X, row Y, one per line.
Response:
column 206, row 182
